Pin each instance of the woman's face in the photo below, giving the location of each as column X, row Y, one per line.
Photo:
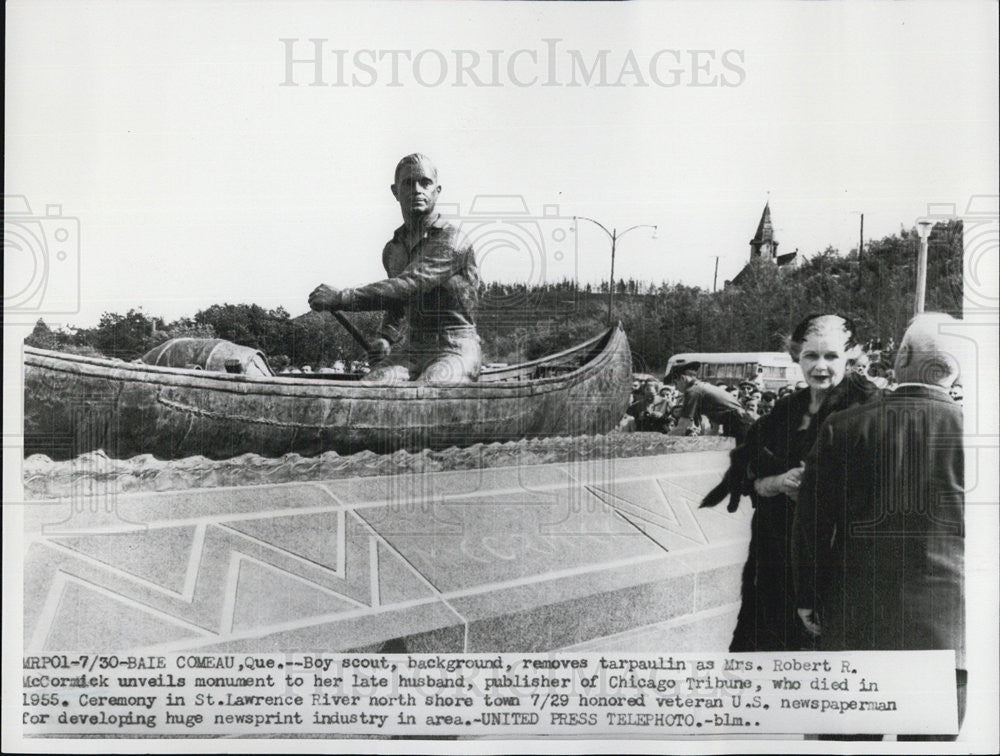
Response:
column 823, row 358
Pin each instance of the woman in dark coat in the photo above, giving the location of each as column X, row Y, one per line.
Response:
column 769, row 467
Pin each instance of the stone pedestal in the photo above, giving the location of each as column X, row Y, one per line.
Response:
column 595, row 555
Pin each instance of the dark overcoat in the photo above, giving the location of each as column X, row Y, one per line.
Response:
column 767, row 618
column 878, row 544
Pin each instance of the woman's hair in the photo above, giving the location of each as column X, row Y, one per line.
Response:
column 818, row 322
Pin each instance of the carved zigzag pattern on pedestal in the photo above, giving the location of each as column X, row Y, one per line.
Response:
column 661, row 509
column 227, row 581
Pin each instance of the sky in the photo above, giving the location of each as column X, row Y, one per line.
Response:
column 184, row 162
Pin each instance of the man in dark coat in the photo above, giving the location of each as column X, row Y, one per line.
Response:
column 878, row 545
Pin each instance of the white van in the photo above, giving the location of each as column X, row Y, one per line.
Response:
column 775, row 368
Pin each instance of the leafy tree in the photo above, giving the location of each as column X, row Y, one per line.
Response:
column 41, row 336
column 125, row 336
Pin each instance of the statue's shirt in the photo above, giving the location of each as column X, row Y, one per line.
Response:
column 433, row 285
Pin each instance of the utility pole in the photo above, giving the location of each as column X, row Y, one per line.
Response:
column 614, row 236
column 861, row 234
column 611, row 285
column 715, row 278
column 861, row 239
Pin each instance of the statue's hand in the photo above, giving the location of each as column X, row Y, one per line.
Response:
column 324, row 298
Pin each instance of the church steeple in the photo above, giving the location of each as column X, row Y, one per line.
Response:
column 763, row 243
column 765, row 246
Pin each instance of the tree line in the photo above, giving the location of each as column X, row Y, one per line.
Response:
column 520, row 321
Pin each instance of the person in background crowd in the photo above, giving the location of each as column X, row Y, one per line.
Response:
column 635, row 402
column 750, row 399
column 673, row 396
column 767, row 400
column 879, row 380
column 770, row 464
column 704, row 399
column 654, row 417
column 785, row 391
column 955, row 392
column 650, row 394
column 669, row 394
column 675, row 414
column 646, row 394
column 878, row 545
column 746, row 388
column 863, row 366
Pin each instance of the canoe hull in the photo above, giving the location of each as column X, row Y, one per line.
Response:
column 74, row 405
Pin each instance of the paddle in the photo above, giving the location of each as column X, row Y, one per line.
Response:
column 353, row 330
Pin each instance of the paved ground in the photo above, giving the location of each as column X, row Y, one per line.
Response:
column 593, row 555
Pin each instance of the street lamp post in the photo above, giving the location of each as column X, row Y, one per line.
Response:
column 924, row 230
column 614, row 236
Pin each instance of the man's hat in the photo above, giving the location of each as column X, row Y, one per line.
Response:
column 681, row 368
column 748, row 384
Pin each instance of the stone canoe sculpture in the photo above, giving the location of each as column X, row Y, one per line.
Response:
column 74, row 404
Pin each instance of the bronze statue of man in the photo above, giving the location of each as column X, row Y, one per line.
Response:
column 431, row 295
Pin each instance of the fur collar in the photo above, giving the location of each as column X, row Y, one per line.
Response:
column 854, row 389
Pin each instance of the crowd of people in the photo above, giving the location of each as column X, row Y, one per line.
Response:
column 658, row 406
